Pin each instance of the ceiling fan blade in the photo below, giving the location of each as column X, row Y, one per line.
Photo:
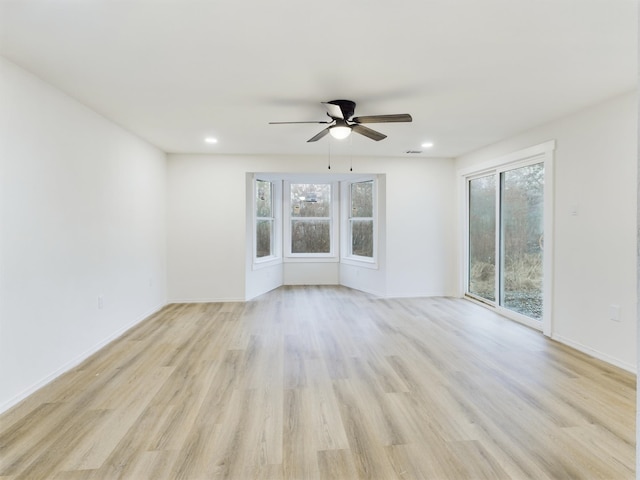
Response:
column 288, row 123
column 367, row 132
column 319, row 135
column 400, row 117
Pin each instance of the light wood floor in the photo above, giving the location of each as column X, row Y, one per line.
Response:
column 330, row 383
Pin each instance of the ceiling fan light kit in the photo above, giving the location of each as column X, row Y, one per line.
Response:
column 340, row 131
column 343, row 122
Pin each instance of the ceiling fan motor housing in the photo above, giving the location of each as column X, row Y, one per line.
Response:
column 347, row 107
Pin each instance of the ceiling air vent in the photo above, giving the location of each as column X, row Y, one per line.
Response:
column 413, row 151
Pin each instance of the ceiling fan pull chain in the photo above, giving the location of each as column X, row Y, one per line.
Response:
column 351, row 154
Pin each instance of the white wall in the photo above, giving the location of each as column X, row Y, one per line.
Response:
column 311, row 273
column 207, row 224
column 82, row 214
column 421, row 220
column 595, row 250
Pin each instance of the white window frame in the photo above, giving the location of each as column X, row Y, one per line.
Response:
column 276, row 233
column 542, row 153
column 333, row 254
column 348, row 257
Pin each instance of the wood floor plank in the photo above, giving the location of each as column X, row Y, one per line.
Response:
column 299, row 452
column 334, row 464
column 326, row 422
column 98, row 444
column 323, row 382
column 53, row 450
column 251, row 437
column 366, row 433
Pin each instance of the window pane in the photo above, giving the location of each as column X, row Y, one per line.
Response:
column 362, row 238
column 310, row 200
column 362, row 199
column 264, row 207
column 310, row 236
column 482, row 237
column 264, row 230
column 522, row 237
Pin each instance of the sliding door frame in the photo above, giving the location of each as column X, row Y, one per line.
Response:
column 542, row 153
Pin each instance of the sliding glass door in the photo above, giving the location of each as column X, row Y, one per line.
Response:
column 482, row 237
column 522, row 239
column 505, row 257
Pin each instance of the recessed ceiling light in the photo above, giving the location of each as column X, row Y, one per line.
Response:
column 427, row 145
column 211, row 140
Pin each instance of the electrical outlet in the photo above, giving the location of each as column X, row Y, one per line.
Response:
column 100, row 302
column 614, row 313
column 574, row 210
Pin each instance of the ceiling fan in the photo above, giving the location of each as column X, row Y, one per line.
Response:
column 343, row 122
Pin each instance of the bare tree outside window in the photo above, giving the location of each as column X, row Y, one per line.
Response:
column 520, row 236
column 310, row 218
column 522, row 202
column 361, row 219
column 482, row 237
column 264, row 219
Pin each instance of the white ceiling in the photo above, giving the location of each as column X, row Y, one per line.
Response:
column 471, row 72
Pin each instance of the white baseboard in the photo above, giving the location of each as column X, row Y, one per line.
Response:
column 417, row 295
column 364, row 290
column 205, row 300
column 249, row 298
column 595, row 353
column 75, row 361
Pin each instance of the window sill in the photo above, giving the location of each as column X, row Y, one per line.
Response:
column 309, row 259
column 360, row 262
column 265, row 263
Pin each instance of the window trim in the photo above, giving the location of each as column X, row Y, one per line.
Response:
column 348, row 257
column 544, row 153
column 334, row 253
column 276, row 209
